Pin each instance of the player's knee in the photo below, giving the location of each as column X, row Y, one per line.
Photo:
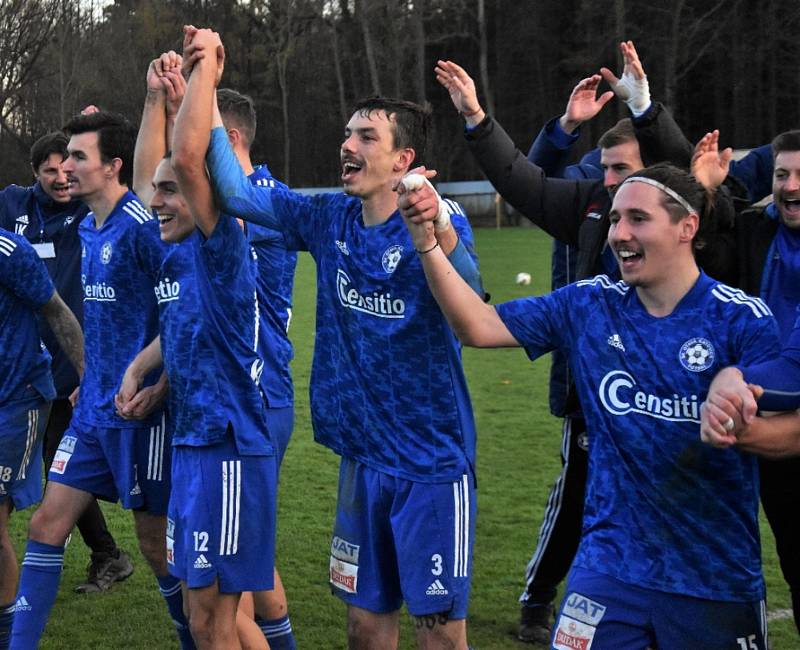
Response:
column 369, row 632
column 207, row 626
column 439, row 631
column 49, row 525
column 154, row 550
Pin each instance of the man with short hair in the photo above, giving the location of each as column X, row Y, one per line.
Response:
column 766, row 253
column 101, row 453
column 49, row 219
column 400, row 419
column 276, row 267
column 575, row 212
column 26, row 389
column 670, row 535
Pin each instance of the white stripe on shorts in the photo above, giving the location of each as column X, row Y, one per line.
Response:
column 461, row 529
column 155, row 457
column 30, row 440
column 231, row 497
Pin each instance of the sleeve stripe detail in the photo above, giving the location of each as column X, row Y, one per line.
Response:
column 265, row 182
column 7, row 246
column 137, row 211
column 605, row 282
column 725, row 293
column 453, row 207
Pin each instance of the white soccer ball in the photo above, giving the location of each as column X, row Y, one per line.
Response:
column 523, row 279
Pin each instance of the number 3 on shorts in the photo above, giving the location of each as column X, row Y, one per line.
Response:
column 437, row 564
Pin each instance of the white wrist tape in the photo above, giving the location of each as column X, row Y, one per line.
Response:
column 414, row 182
column 634, row 92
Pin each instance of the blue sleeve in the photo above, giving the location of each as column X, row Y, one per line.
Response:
column 754, row 171
column 540, row 324
column 466, row 267
column 23, row 273
column 234, row 192
column 780, row 377
column 276, row 207
column 225, row 252
column 463, row 256
column 150, row 250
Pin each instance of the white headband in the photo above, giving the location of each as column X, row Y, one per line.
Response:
column 667, row 190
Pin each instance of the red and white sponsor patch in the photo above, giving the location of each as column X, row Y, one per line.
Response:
column 60, row 461
column 573, row 635
column 344, row 575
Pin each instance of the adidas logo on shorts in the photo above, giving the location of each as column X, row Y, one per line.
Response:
column 436, row 589
column 22, row 605
column 201, row 562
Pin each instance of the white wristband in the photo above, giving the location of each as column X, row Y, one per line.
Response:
column 414, row 182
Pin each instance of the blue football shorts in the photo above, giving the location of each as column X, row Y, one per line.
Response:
column 600, row 612
column 22, row 425
column 130, row 465
column 280, row 422
column 396, row 540
column 221, row 523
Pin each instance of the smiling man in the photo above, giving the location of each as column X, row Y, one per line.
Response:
column 670, row 533
column 388, row 392
column 46, row 215
column 101, row 453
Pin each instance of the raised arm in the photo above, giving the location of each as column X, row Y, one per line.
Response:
column 153, row 139
column 67, row 330
column 474, row 322
column 192, row 129
column 556, row 205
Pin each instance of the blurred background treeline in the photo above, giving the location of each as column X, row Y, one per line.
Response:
column 727, row 64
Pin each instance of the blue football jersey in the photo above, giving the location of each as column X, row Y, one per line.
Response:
column 662, row 510
column 25, row 287
column 209, row 319
column 276, row 266
column 387, row 385
column 119, row 267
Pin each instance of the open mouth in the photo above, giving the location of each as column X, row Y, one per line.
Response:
column 164, row 219
column 628, row 258
column 349, row 170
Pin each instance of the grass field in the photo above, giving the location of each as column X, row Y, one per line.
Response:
column 518, row 446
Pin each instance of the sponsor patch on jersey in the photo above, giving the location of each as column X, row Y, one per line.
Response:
column 343, row 550
column 391, row 258
column 344, row 575
column 382, row 305
column 620, row 395
column 697, row 354
column 105, row 253
column 65, row 450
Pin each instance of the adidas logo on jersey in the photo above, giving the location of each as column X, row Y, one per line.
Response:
column 201, row 562
column 22, row 605
column 342, row 246
column 616, row 342
column 436, row 589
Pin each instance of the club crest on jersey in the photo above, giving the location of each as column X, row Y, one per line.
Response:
column 376, row 304
column 391, row 258
column 619, row 396
column 105, row 253
column 697, row 354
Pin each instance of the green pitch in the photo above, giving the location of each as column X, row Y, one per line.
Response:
column 518, row 447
